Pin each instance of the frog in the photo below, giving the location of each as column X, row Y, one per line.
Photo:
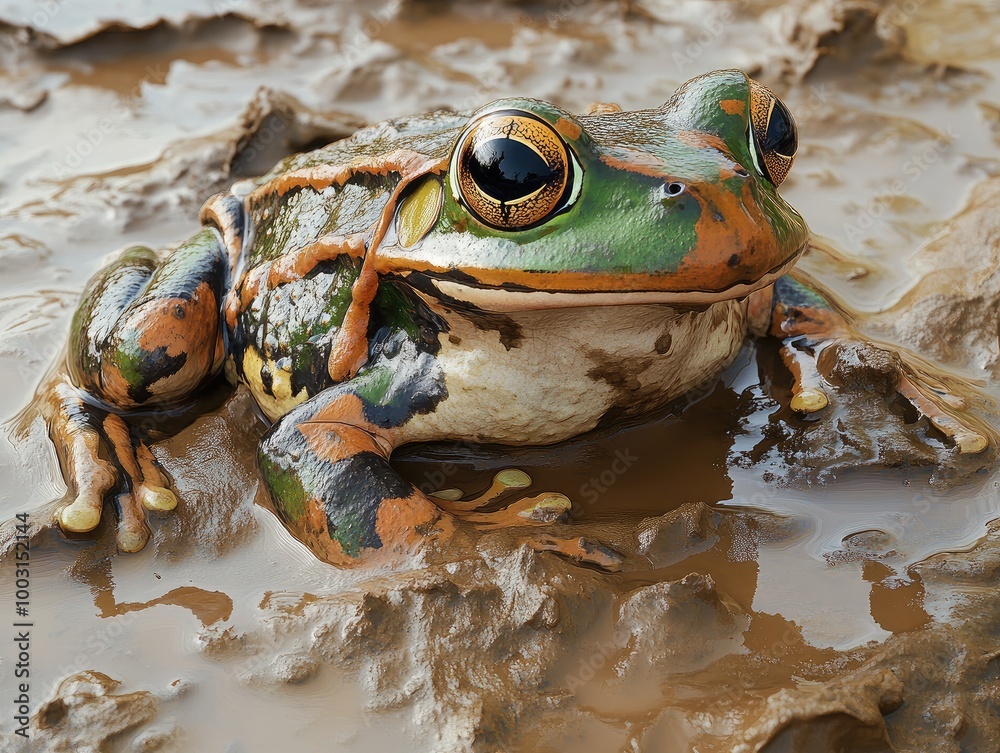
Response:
column 516, row 275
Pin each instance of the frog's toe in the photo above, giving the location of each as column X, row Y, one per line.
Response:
column 133, row 533
column 941, row 409
column 157, row 498
column 808, row 395
column 580, row 549
column 82, row 515
column 509, row 478
column 809, row 400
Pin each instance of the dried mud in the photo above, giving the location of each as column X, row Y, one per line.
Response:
column 784, row 585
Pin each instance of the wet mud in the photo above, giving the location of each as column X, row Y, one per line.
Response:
column 773, row 583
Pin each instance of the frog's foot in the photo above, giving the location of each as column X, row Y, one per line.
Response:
column 72, row 426
column 937, row 405
column 857, row 364
column 147, row 487
column 536, row 510
column 85, row 436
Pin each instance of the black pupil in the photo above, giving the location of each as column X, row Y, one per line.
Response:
column 780, row 137
column 507, row 169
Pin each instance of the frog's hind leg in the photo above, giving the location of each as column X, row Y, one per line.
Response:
column 146, row 336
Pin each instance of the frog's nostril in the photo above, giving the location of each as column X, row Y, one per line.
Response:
column 670, row 191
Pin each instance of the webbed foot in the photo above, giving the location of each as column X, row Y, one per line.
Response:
column 849, row 363
column 537, row 510
column 86, row 438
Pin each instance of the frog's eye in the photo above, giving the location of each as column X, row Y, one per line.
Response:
column 512, row 171
column 772, row 135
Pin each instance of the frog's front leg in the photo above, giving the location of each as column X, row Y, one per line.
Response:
column 326, row 463
column 145, row 336
column 822, row 350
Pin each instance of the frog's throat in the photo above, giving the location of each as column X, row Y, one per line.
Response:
column 504, row 299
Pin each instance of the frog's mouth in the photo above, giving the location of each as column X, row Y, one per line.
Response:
column 458, row 287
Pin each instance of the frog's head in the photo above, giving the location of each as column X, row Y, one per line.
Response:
column 540, row 208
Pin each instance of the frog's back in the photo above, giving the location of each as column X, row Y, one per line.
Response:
column 287, row 219
column 281, row 340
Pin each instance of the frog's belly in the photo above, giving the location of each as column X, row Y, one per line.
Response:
column 566, row 369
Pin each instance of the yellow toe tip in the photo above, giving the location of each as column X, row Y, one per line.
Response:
column 809, row 400
column 971, row 444
column 512, row 478
column 132, row 541
column 79, row 518
column 158, row 498
column 448, row 495
column 548, row 507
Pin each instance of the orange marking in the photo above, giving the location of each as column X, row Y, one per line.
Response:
column 350, row 347
column 403, row 523
column 635, row 161
column 337, row 441
column 568, row 129
column 735, row 241
column 348, row 411
column 232, row 308
column 702, row 140
column 733, row 106
column 121, row 439
column 403, row 161
column 295, row 265
column 159, row 326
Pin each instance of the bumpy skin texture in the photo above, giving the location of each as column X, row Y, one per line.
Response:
column 364, row 306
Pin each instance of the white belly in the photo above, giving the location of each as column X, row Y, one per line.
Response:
column 571, row 366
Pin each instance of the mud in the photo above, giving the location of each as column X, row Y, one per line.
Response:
column 779, row 584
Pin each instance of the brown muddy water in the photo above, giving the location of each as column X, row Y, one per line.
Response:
column 788, row 586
